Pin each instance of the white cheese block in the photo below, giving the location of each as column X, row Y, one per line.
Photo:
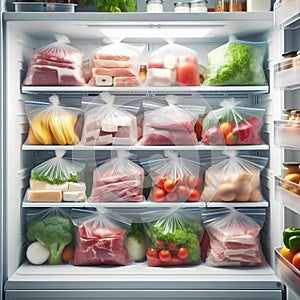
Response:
column 109, row 127
column 103, row 80
column 57, row 187
column 37, row 184
column 74, row 196
column 104, row 139
column 44, row 196
column 77, row 186
column 170, row 61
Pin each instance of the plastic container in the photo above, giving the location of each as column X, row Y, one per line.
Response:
column 258, row 5
column 290, row 168
column 286, row 133
column 235, row 5
column 181, row 7
column 199, row 6
column 154, row 6
column 44, row 7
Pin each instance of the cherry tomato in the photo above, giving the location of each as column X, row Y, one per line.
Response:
column 152, row 253
column 164, row 255
column 159, row 180
column 182, row 192
column 171, row 197
column 160, row 244
column 193, row 181
column 226, row 127
column 172, row 245
column 194, row 195
column 183, row 253
column 169, row 185
column 158, row 195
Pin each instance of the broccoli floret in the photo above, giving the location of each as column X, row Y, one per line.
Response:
column 53, row 232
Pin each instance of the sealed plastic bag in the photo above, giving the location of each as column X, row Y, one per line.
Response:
column 234, row 178
column 109, row 124
column 100, row 239
column 51, row 124
column 233, row 125
column 118, row 180
column 237, row 63
column 53, row 230
column 173, row 237
column 174, row 178
column 116, row 64
column 57, row 179
column 56, row 64
column 169, row 125
column 173, row 64
column 234, row 238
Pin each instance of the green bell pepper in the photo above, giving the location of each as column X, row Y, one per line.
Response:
column 288, row 233
column 294, row 243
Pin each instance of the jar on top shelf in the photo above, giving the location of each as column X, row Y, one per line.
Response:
column 199, row 6
column 155, row 6
column 182, row 7
column 222, row 6
column 235, row 5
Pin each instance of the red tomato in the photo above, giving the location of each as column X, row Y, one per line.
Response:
column 152, row 253
column 232, row 138
column 159, row 180
column 169, row 185
column 158, row 195
column 171, row 197
column 193, row 181
column 194, row 195
column 183, row 253
column 188, row 73
column 296, row 260
column 182, row 192
column 160, row 244
column 226, row 127
column 164, row 255
column 172, row 246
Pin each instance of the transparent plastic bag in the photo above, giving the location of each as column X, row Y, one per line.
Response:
column 56, row 180
column 55, row 64
column 174, row 178
column 169, row 125
column 173, row 237
column 233, row 125
column 237, row 63
column 118, row 180
column 51, row 124
column 116, row 64
column 53, row 229
column 234, row 238
column 109, row 124
column 100, row 239
column 234, row 178
column 173, row 64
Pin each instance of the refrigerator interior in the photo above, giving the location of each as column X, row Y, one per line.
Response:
column 21, row 36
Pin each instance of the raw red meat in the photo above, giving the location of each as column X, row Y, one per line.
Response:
column 113, row 72
column 126, row 81
column 43, row 62
column 99, row 246
column 107, row 56
column 101, row 63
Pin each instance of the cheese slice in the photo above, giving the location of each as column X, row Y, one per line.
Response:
column 77, row 186
column 44, row 196
column 37, row 184
column 109, row 127
column 58, row 187
column 74, row 196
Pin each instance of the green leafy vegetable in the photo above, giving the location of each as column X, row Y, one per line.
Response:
column 112, row 5
column 53, row 232
column 236, row 64
column 57, row 180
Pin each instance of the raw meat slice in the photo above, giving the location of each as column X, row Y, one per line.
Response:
column 107, row 56
column 101, row 63
column 113, row 72
column 43, row 62
column 126, row 81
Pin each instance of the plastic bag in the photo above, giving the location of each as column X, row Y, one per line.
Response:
column 56, row 64
column 52, row 124
column 234, row 239
column 118, row 180
column 53, row 229
column 56, row 180
column 174, row 178
column 173, row 64
column 235, row 178
column 237, row 63
column 109, row 124
column 233, row 125
column 169, row 125
column 173, row 237
column 100, row 239
column 116, row 65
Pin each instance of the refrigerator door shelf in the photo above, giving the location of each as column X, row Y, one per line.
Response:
column 285, row 10
column 286, row 134
column 289, row 275
column 288, row 78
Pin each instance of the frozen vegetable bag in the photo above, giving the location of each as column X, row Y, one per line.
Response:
column 52, row 228
column 237, row 63
column 118, row 180
column 235, row 177
column 233, row 125
column 56, row 64
column 234, row 237
column 100, row 239
column 57, row 179
column 174, row 178
column 173, row 237
column 108, row 124
column 51, row 123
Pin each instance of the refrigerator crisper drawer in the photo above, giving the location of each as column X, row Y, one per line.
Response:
column 288, row 274
column 144, row 294
column 285, row 10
